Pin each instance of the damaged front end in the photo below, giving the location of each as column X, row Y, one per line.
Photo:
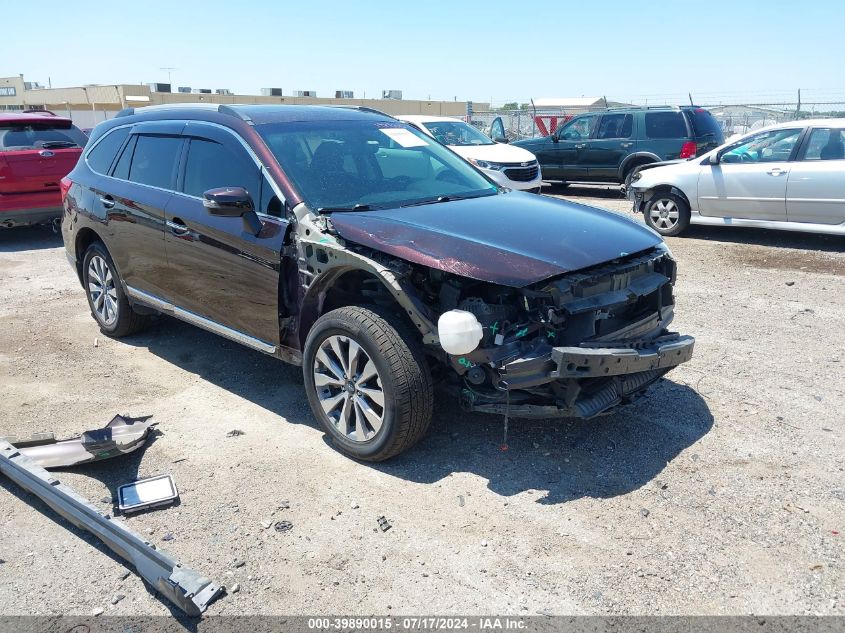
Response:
column 574, row 346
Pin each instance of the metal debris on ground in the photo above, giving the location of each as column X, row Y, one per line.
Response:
column 283, row 526
column 184, row 587
column 120, row 436
column 235, row 433
column 384, row 524
column 153, row 492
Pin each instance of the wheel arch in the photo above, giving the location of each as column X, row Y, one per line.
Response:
column 84, row 238
column 635, row 159
column 665, row 188
column 351, row 283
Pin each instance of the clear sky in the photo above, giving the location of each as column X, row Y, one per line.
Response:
column 480, row 50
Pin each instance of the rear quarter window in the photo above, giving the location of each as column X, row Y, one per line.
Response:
column 100, row 158
column 665, row 125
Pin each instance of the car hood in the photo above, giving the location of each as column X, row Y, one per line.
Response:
column 496, row 153
column 512, row 239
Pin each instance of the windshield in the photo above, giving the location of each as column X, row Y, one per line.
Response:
column 457, row 133
column 18, row 136
column 338, row 165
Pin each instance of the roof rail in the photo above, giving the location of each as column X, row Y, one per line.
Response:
column 645, row 107
column 216, row 107
column 363, row 109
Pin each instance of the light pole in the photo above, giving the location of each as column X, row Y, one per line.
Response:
column 169, row 70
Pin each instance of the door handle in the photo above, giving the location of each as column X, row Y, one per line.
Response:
column 776, row 171
column 107, row 202
column 626, row 144
column 580, row 146
column 177, row 227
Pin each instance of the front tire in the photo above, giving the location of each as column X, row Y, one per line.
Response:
column 368, row 382
column 667, row 213
column 108, row 303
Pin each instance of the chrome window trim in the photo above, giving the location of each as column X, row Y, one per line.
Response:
column 195, row 319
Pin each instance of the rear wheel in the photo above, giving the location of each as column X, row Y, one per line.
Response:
column 367, row 382
column 667, row 213
column 106, row 298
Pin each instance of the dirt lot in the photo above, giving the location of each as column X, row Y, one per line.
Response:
column 723, row 493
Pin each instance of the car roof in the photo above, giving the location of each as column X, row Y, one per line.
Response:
column 807, row 123
column 426, row 118
column 31, row 117
column 260, row 114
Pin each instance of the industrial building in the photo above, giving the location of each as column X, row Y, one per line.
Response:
column 91, row 104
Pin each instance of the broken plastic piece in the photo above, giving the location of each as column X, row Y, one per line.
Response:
column 384, row 524
column 144, row 494
column 120, row 436
column 184, row 587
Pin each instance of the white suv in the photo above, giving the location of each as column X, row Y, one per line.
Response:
column 790, row 176
column 507, row 166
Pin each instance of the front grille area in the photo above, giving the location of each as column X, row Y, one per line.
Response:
column 523, row 174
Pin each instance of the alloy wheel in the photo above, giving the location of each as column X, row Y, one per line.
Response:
column 349, row 388
column 102, row 291
column 664, row 213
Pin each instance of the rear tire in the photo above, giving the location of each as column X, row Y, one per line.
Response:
column 667, row 213
column 104, row 290
column 368, row 382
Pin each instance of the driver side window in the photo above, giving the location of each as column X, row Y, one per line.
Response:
column 578, row 129
column 766, row 147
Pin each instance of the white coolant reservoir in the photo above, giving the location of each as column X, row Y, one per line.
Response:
column 459, row 332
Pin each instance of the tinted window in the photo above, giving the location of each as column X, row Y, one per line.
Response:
column 100, row 158
column 615, row 126
column 121, row 170
column 825, row 144
column 30, row 135
column 210, row 166
column 704, row 124
column 456, row 133
column 154, row 160
column 766, row 147
column 665, row 125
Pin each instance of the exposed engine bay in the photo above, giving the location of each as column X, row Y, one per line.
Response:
column 576, row 345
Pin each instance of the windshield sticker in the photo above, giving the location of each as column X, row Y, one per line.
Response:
column 404, row 137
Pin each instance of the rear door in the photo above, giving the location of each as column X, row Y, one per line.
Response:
column 220, row 270
column 35, row 155
column 132, row 198
column 815, row 190
column 750, row 179
column 612, row 142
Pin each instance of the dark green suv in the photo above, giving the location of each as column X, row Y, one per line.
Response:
column 607, row 146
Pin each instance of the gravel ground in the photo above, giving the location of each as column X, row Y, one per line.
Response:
column 722, row 493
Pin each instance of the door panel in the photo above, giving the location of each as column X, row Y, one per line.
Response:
column 567, row 156
column 752, row 191
column 750, row 180
column 219, row 269
column 611, row 144
column 815, row 192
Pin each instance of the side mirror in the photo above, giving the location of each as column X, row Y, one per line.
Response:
column 500, row 139
column 232, row 202
column 715, row 159
column 228, row 202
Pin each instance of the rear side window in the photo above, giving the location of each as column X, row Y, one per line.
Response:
column 825, row 144
column 154, row 160
column 615, row 126
column 210, row 165
column 665, row 125
column 704, row 124
column 101, row 157
column 37, row 135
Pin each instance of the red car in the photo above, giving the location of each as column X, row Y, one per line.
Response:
column 37, row 150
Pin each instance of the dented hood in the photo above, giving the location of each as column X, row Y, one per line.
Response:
column 513, row 239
